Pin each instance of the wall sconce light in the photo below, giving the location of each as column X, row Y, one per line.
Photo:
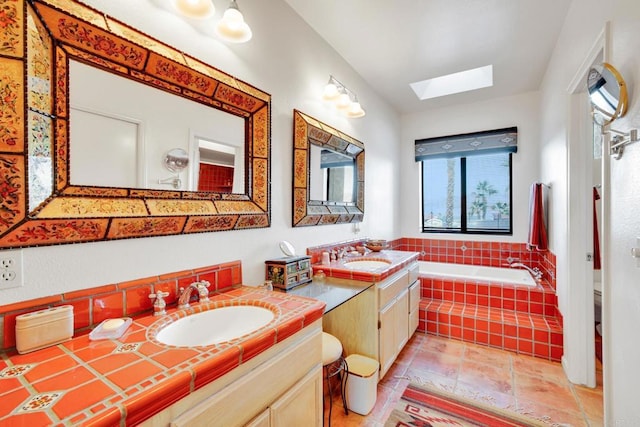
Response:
column 344, row 99
column 195, row 9
column 230, row 28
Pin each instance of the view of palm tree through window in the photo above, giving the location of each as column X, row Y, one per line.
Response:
column 467, row 194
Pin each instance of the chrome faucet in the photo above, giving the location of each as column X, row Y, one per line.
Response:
column 185, row 294
column 535, row 271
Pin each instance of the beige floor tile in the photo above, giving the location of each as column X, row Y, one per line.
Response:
column 488, row 356
column 531, row 386
column 490, row 377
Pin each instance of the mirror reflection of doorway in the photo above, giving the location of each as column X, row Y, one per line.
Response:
column 217, row 167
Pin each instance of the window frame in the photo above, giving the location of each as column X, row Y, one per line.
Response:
column 463, row 202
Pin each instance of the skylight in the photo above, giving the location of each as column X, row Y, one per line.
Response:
column 449, row 84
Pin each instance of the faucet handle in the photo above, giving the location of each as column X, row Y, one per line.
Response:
column 511, row 260
column 159, row 303
column 203, row 290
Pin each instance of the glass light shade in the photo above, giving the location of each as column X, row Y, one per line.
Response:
column 355, row 110
column 343, row 101
column 232, row 27
column 197, row 9
column 330, row 92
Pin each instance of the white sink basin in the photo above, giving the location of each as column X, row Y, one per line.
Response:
column 367, row 264
column 214, row 326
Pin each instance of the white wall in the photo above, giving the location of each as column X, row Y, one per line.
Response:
column 291, row 62
column 521, row 111
column 621, row 299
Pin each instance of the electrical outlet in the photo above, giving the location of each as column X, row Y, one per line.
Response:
column 11, row 269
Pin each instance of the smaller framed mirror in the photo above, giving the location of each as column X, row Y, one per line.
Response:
column 328, row 171
column 607, row 93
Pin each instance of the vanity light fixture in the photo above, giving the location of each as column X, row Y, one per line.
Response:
column 232, row 27
column 344, row 99
column 196, row 9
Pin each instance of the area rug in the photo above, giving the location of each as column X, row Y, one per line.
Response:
column 426, row 406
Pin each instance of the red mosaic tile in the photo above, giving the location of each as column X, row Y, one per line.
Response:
column 82, row 397
column 137, row 300
column 541, row 350
column 158, row 397
column 109, row 417
column 51, row 366
column 256, row 345
column 81, row 313
column 215, row 367
column 29, row 419
column 115, row 361
column 107, row 306
column 133, row 374
column 174, row 357
column 138, row 282
column 289, row 328
column 83, row 293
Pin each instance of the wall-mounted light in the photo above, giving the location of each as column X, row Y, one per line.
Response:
column 344, row 99
column 195, row 9
column 230, row 28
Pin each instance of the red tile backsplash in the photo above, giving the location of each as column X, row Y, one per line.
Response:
column 130, row 298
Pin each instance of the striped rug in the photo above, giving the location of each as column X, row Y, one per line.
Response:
column 425, row 406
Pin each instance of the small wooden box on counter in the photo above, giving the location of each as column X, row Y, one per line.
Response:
column 288, row 272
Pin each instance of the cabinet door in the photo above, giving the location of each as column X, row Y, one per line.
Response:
column 414, row 307
column 262, row 420
column 387, row 339
column 402, row 320
column 301, row 405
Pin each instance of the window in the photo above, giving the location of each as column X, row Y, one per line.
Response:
column 467, row 190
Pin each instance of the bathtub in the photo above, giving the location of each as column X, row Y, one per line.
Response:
column 506, row 276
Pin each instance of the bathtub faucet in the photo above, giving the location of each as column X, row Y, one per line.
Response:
column 535, row 271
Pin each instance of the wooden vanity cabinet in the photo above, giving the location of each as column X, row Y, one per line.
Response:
column 280, row 387
column 394, row 330
column 379, row 322
column 397, row 303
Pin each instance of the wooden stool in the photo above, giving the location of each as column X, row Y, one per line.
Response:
column 333, row 363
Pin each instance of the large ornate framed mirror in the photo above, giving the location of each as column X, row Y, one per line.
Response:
column 328, row 174
column 41, row 202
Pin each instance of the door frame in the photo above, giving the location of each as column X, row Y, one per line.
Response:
column 579, row 336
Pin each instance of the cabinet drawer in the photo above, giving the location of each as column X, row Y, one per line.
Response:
column 414, row 272
column 414, row 296
column 391, row 287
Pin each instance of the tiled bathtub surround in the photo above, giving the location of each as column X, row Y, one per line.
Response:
column 515, row 319
column 92, row 306
column 493, row 254
column 523, row 320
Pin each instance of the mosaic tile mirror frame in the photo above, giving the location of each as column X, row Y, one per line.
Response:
column 307, row 209
column 38, row 203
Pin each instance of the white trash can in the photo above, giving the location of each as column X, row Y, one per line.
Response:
column 362, row 383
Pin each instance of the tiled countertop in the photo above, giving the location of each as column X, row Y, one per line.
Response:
column 84, row 382
column 397, row 261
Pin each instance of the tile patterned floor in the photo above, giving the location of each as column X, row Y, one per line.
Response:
column 531, row 386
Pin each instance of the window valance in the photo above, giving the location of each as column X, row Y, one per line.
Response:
column 486, row 142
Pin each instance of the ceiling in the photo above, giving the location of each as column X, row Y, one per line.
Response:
column 394, row 43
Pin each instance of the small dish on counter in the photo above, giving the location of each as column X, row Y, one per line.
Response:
column 376, row 245
column 110, row 329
